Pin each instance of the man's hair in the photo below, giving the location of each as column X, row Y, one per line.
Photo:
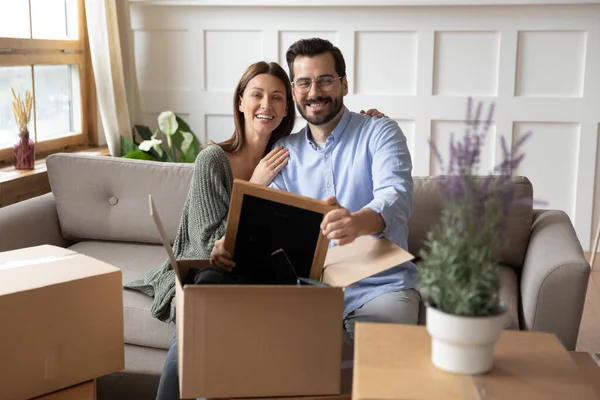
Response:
column 313, row 47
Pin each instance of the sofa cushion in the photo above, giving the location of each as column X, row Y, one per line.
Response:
column 134, row 260
column 509, row 296
column 106, row 198
column 427, row 210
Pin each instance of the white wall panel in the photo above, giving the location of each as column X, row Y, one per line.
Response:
column 466, row 63
column 551, row 64
column 218, row 127
column 386, row 63
column 156, row 55
column 539, row 64
column 550, row 161
column 227, row 54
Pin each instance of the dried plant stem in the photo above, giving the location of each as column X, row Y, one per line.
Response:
column 22, row 109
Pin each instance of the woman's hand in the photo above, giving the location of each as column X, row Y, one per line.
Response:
column 221, row 257
column 270, row 165
column 373, row 112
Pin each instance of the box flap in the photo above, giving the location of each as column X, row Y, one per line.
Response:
column 32, row 255
column 366, row 256
column 26, row 269
column 163, row 238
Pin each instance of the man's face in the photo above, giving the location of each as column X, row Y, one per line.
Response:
column 319, row 105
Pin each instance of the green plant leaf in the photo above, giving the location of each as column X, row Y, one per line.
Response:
column 196, row 146
column 188, row 156
column 144, row 132
column 127, row 146
column 139, row 155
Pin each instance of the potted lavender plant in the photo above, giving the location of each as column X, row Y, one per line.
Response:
column 459, row 273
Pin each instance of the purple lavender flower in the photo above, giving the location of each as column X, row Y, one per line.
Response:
column 483, row 198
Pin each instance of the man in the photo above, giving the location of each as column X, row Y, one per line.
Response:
column 361, row 164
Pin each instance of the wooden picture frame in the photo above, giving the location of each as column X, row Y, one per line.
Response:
column 256, row 208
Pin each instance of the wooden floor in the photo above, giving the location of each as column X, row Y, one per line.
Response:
column 589, row 330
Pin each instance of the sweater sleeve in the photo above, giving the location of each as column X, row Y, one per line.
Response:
column 205, row 215
column 203, row 221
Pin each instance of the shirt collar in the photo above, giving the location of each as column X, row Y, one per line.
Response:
column 337, row 131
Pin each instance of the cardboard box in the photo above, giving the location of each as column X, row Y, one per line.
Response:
column 394, row 362
column 269, row 340
column 62, row 320
column 85, row 391
column 345, row 393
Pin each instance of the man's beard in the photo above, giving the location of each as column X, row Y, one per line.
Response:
column 321, row 119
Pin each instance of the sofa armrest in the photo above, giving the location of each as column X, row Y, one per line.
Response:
column 554, row 278
column 29, row 223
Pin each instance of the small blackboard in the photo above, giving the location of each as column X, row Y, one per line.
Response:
column 263, row 221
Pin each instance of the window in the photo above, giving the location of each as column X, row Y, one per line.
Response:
column 43, row 50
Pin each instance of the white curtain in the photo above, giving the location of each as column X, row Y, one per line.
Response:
column 111, row 48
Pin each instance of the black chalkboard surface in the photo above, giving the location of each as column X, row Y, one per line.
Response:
column 263, row 221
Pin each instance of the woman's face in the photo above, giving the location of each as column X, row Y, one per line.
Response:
column 263, row 104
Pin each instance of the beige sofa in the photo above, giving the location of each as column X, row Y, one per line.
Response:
column 99, row 207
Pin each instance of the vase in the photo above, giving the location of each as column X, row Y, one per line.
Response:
column 461, row 344
column 24, row 152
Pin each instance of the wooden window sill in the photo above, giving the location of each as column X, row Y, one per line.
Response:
column 19, row 185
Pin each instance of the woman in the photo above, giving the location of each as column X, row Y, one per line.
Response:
column 263, row 113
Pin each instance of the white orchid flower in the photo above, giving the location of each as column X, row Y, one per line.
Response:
column 188, row 138
column 155, row 143
column 167, row 122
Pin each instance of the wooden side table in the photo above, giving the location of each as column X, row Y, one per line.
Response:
column 589, row 368
column 394, row 362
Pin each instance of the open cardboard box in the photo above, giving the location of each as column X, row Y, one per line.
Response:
column 62, row 320
column 269, row 340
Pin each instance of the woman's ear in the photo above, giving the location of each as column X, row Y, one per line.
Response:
column 241, row 105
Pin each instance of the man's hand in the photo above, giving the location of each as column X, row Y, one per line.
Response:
column 339, row 225
column 221, row 257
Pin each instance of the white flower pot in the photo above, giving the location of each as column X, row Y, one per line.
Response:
column 463, row 345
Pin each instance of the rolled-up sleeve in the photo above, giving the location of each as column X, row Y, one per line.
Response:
column 392, row 176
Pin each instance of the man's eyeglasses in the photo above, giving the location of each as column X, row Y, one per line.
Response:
column 325, row 83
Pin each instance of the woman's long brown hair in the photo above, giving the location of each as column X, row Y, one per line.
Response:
column 236, row 142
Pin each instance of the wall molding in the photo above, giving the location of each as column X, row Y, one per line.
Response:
column 354, row 3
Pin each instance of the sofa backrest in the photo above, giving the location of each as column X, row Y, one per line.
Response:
column 106, row 198
column 427, row 209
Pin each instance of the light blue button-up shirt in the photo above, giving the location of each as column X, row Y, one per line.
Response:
column 365, row 163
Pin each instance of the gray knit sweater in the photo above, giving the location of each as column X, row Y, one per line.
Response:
column 203, row 222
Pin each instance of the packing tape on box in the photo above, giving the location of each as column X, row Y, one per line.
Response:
column 33, row 261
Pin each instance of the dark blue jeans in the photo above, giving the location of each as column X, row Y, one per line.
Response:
column 168, row 387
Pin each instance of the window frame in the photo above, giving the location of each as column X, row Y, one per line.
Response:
column 33, row 52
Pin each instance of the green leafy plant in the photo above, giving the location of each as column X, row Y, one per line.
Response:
column 181, row 143
column 459, row 273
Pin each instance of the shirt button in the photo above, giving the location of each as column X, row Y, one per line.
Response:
column 326, row 155
column 113, row 201
column 328, row 185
